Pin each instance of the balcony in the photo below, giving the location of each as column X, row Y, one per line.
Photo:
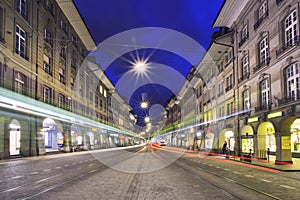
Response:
column 243, row 40
column 263, row 107
column 289, row 99
column 287, row 46
column 244, row 77
column 262, row 64
column 260, row 20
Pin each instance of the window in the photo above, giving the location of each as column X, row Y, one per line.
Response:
column 104, row 93
column 49, row 7
column 46, row 94
column 292, row 81
column 1, row 24
column 264, row 52
column 230, row 108
column 262, row 14
column 61, row 76
column 72, row 82
column 61, row 100
column 245, row 66
column 221, row 88
column 101, row 89
column 291, row 29
column 221, row 111
column 246, row 100
column 244, row 35
column 21, row 7
column 74, row 40
column 96, row 101
column 62, row 52
column 63, row 26
column 229, row 82
column 21, row 42
column 19, row 83
column 47, row 36
column 47, row 64
column 262, row 10
column 265, row 93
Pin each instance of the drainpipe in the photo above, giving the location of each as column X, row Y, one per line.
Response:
column 36, row 72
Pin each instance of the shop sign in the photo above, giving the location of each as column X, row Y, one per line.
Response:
column 252, row 119
column 275, row 114
column 286, row 142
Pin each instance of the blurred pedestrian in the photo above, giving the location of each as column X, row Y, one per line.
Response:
column 224, row 148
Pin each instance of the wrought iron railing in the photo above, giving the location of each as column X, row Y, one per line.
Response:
column 294, row 42
column 262, row 64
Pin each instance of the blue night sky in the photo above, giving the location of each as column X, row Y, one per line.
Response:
column 192, row 18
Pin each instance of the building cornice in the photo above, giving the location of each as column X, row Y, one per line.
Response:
column 71, row 12
column 229, row 12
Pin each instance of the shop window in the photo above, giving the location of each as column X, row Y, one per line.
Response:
column 295, row 136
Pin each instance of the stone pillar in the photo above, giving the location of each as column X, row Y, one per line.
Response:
column 67, row 138
column 283, row 148
column 3, row 138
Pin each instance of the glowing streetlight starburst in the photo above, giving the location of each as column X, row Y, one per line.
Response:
column 144, row 104
column 139, row 65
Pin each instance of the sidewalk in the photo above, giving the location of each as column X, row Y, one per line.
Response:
column 271, row 163
column 263, row 163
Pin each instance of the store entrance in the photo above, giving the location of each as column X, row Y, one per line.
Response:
column 14, row 138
